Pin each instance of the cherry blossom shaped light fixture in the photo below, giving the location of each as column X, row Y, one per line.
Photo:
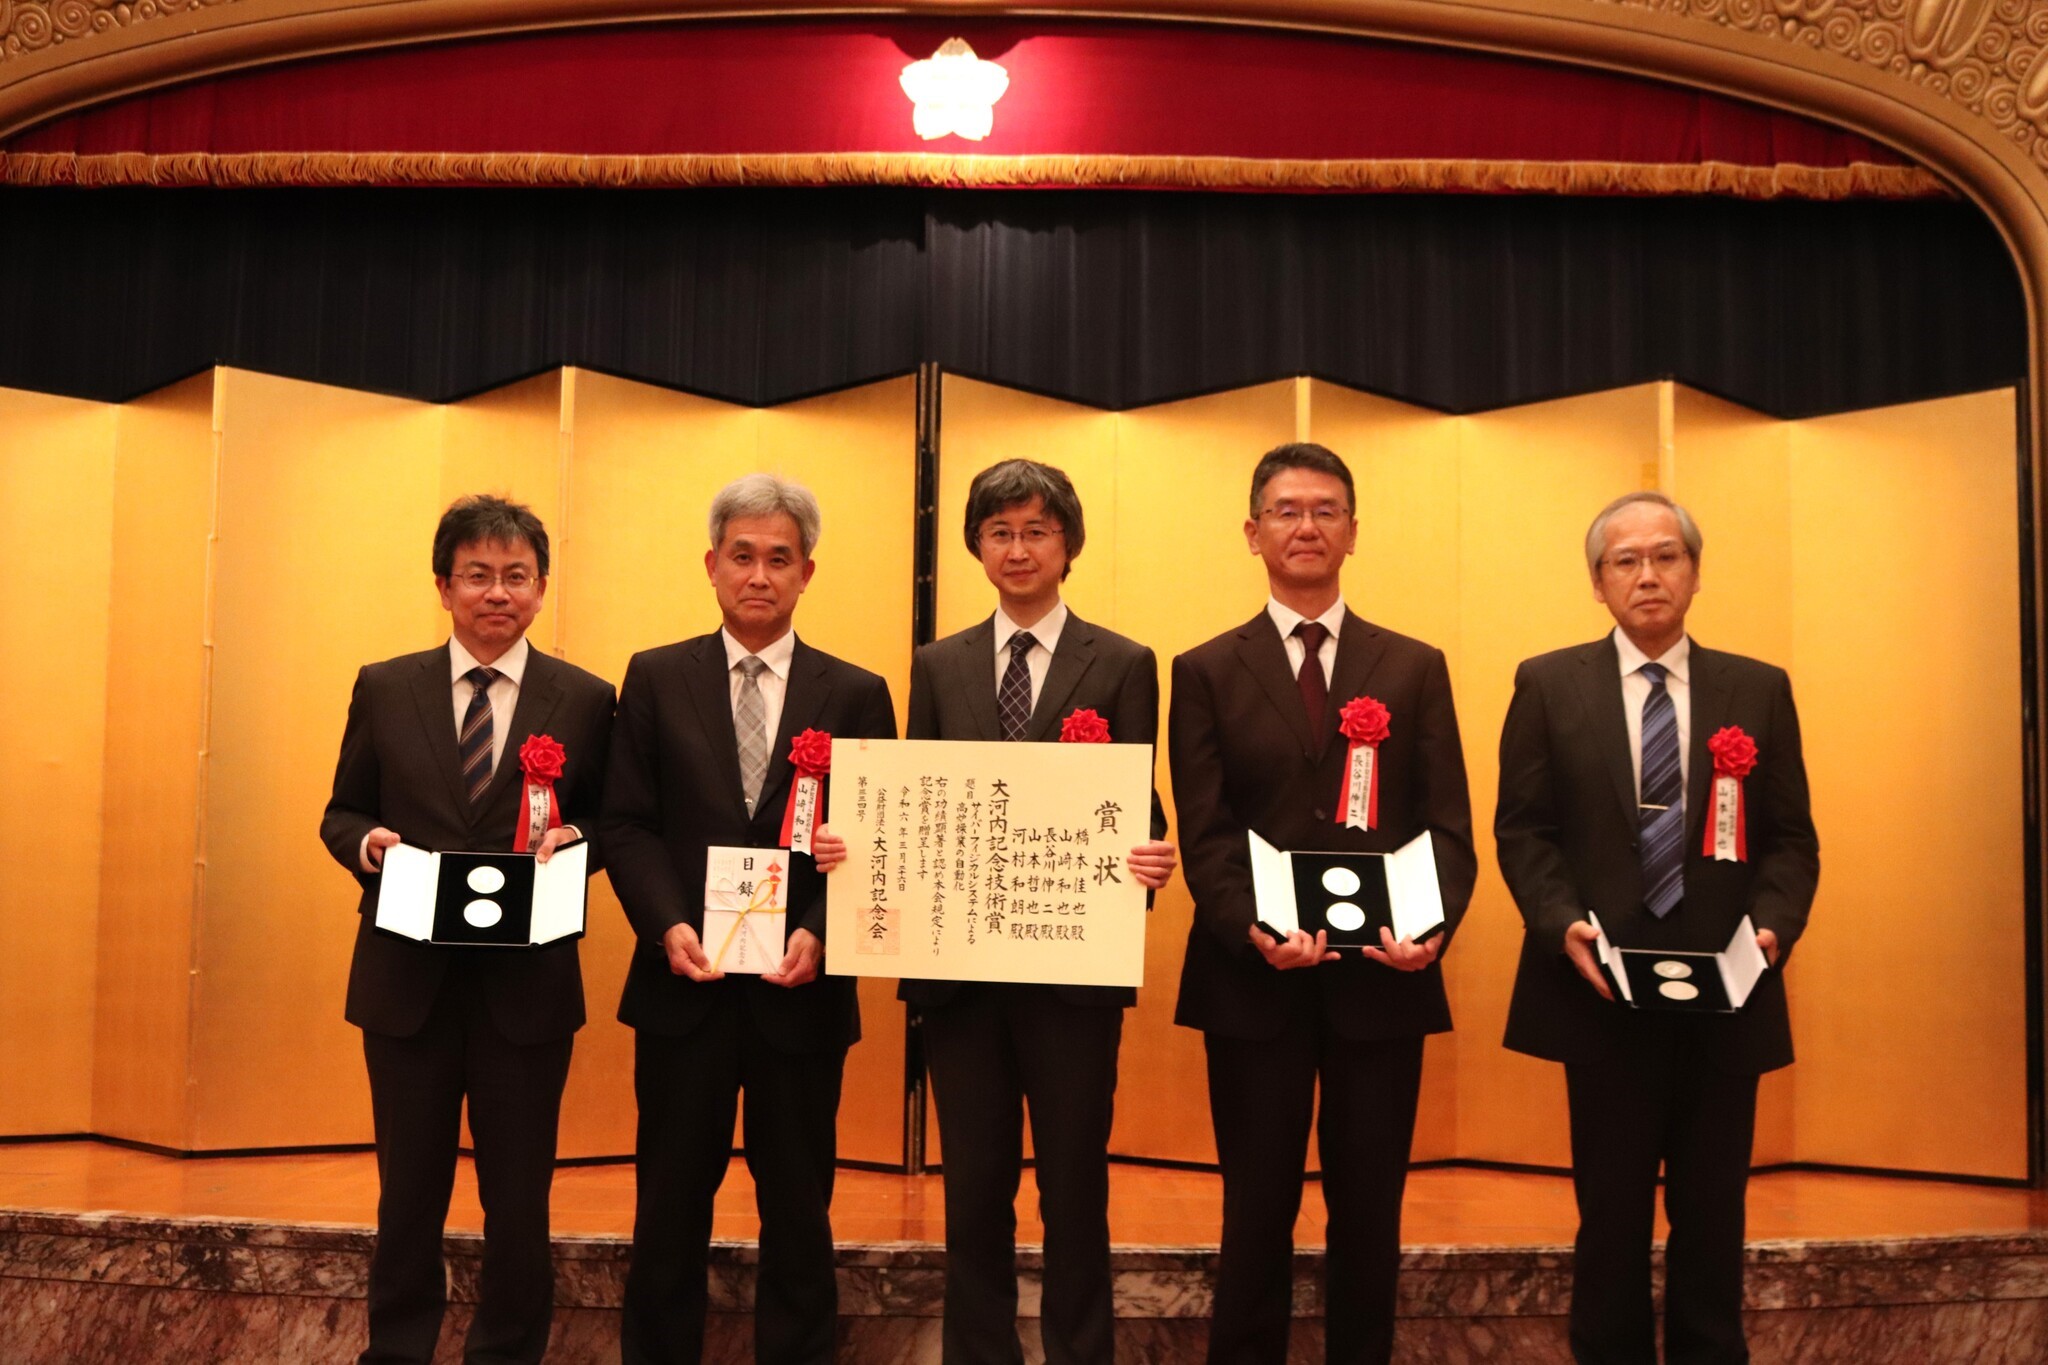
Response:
column 954, row 91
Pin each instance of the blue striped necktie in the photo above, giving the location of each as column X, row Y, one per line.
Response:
column 474, row 743
column 1663, row 800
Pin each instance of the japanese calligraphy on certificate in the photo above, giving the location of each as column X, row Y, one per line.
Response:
column 973, row 861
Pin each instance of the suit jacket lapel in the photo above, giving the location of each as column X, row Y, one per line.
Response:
column 1265, row 657
column 433, row 694
column 707, row 680
column 803, row 701
column 1069, row 662
column 1360, row 645
column 975, row 658
column 1600, row 689
column 539, row 690
column 1708, row 684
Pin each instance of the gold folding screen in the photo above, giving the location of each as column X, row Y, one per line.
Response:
column 56, row 512
column 1874, row 554
column 220, row 556
column 1848, row 549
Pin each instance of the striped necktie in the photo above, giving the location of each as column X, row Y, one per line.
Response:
column 1663, row 800
column 474, row 743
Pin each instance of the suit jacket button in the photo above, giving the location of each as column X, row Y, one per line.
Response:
column 1322, row 814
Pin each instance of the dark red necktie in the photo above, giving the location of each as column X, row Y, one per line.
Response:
column 1315, row 689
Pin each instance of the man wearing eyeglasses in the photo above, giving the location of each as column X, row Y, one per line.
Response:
column 993, row 1047
column 1610, row 762
column 430, row 757
column 1254, row 742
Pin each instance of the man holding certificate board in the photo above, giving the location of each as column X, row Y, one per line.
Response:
column 1321, row 789
column 1655, row 829
column 719, row 759
column 1006, row 882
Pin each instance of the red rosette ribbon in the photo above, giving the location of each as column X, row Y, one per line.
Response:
column 1727, row 832
column 810, row 753
column 1084, row 726
column 541, row 760
column 1366, row 722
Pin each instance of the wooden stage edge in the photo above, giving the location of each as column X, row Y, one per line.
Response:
column 110, row 1254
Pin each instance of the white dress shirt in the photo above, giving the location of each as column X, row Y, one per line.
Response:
column 504, row 690
column 1038, row 659
column 1287, row 618
column 1635, row 690
column 774, row 681
column 504, row 694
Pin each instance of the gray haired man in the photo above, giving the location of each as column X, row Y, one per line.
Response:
column 702, row 750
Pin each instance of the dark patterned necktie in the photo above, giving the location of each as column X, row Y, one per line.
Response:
column 1315, row 688
column 1663, row 799
column 1013, row 698
column 474, row 742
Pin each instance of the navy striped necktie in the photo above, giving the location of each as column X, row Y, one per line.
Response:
column 474, row 743
column 1663, row 799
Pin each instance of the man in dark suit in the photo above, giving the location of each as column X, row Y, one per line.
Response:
column 1255, row 746
column 993, row 1046
column 701, row 757
column 1606, row 793
column 430, row 756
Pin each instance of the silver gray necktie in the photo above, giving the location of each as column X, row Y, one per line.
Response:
column 750, row 723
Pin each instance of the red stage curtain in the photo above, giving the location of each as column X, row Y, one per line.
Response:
column 817, row 101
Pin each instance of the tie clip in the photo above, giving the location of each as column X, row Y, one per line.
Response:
column 1646, row 806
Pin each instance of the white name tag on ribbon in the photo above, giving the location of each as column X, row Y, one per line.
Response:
column 1358, row 803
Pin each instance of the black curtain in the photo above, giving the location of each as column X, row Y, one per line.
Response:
column 1460, row 303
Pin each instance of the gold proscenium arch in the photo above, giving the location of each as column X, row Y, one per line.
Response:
column 1959, row 85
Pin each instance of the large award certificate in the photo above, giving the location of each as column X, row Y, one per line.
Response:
column 978, row 861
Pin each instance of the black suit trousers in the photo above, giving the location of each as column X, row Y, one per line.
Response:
column 994, row 1048
column 1261, row 1096
column 689, row 1089
column 417, row 1085
column 1664, row 1107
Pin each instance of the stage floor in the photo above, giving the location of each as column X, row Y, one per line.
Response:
column 1148, row 1207
column 109, row 1255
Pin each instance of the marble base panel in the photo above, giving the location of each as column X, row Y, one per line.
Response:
column 88, row 1288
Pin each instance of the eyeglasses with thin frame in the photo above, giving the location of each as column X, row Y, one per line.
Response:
column 1031, row 537
column 479, row 580
column 1664, row 559
column 1327, row 516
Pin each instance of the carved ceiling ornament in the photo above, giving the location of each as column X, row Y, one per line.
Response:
column 1986, row 55
column 31, row 25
